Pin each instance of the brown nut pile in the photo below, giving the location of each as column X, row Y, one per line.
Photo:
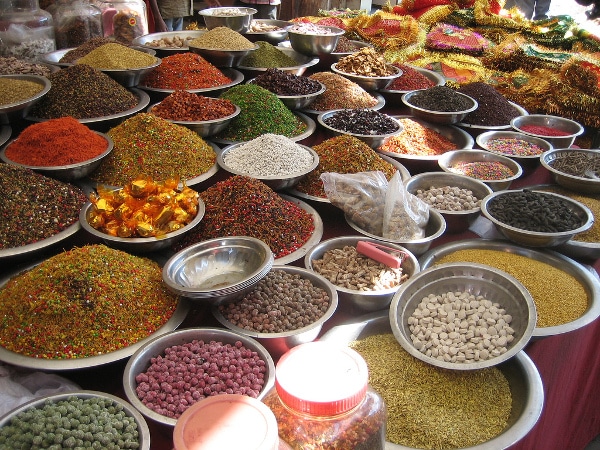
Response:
column 365, row 62
column 170, row 42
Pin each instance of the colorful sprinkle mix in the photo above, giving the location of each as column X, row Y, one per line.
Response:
column 484, row 170
column 514, row 147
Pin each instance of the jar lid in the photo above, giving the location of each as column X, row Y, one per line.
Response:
column 226, row 421
column 321, row 378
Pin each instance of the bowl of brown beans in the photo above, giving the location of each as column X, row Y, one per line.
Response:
column 292, row 305
column 19, row 93
column 159, row 382
column 439, row 104
column 362, row 283
column 559, row 131
column 574, row 169
column 536, row 218
column 463, row 316
column 523, row 148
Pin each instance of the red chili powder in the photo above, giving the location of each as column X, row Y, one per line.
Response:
column 544, row 131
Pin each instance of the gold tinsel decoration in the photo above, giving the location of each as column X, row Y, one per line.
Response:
column 386, row 30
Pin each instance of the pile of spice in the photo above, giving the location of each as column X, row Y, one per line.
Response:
column 261, row 112
column 340, row 93
column 117, row 298
column 148, row 145
column 362, row 121
column 410, row 80
column 83, row 92
column 222, row 38
column 268, row 56
column 514, row 147
column 35, row 207
column 13, row 90
column 578, row 164
column 284, row 83
column 345, row 155
column 367, row 63
column 11, row 65
column 244, row 206
column 311, row 28
column 544, row 131
column 483, row 170
column 115, row 56
column 441, row 99
column 493, row 108
column 417, row 139
column 185, row 106
column 73, row 55
column 345, row 45
column 185, row 71
column 56, row 142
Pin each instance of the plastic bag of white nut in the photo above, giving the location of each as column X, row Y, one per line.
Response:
column 378, row 206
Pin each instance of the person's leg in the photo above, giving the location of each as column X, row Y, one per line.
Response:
column 169, row 24
column 541, row 9
column 265, row 11
column 177, row 24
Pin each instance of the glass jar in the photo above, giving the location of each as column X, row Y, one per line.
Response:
column 76, row 22
column 26, row 31
column 322, row 399
column 123, row 20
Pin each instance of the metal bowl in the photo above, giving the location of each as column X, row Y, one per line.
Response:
column 443, row 117
column 572, row 128
column 272, row 36
column 479, row 128
column 39, row 403
column 234, row 17
column 295, row 102
column 14, row 112
column 449, row 160
column 537, row 238
column 315, row 44
column 575, row 183
column 53, row 58
column 476, row 279
column 279, row 343
column 377, row 96
column 525, row 383
column 373, row 140
column 336, row 56
column 456, row 221
column 433, row 230
column 371, row 300
column 222, row 57
column 528, row 161
column 130, row 77
column 70, row 172
column 276, row 183
column 435, row 77
column 140, row 361
column 163, row 43
column 5, row 133
column 370, row 83
column 304, row 62
column 218, row 270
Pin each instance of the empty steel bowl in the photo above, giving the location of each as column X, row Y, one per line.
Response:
column 14, row 112
column 443, row 117
column 313, row 44
column 570, row 128
column 370, row 83
column 475, row 279
column 236, row 18
column 486, row 140
column 303, row 62
column 584, row 184
column 269, row 30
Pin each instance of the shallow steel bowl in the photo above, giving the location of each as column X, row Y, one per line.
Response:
column 568, row 126
column 370, row 83
column 14, row 112
column 130, row 77
column 443, row 117
column 435, row 77
column 538, row 238
column 303, row 62
column 279, row 343
column 140, row 361
column 53, row 58
column 163, row 42
column 302, row 101
column 475, row 128
column 234, row 17
column 269, row 30
column 580, row 184
column 222, row 57
column 483, row 140
column 371, row 300
column 315, row 44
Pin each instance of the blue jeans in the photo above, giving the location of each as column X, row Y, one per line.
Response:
column 174, row 23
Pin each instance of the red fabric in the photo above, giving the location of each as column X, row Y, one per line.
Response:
column 150, row 16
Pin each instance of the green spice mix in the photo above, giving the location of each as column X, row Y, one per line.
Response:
column 84, row 302
column 268, row 56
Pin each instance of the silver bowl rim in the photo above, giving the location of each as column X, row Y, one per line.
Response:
column 443, row 163
column 133, row 69
column 508, row 126
column 355, row 76
column 376, row 95
column 483, row 139
column 38, row 79
column 199, row 122
column 142, row 41
column 520, row 344
column 431, row 74
column 361, row 44
column 515, row 124
column 322, row 116
column 334, row 31
column 291, row 97
column 5, row 133
column 545, row 157
column 406, row 100
column 44, row 58
column 244, row 10
column 290, row 52
column 259, row 33
column 234, row 52
column 235, row 75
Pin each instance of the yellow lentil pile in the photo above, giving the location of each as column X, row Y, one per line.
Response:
column 558, row 296
column 433, row 408
column 13, row 90
column 117, row 57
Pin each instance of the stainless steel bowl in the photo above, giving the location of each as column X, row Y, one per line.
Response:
column 163, row 43
column 376, row 95
column 70, row 172
column 275, row 30
column 140, row 361
column 372, row 300
column 224, row 17
column 53, row 58
column 572, row 128
column 575, row 183
column 370, row 83
column 204, row 128
column 449, row 160
column 456, row 221
column 279, row 343
column 435, row 77
column 526, row 161
column 336, row 56
column 14, row 112
column 222, row 57
column 130, row 77
column 303, row 62
column 295, row 102
column 315, row 44
column 474, row 128
column 443, row 117
column 537, row 238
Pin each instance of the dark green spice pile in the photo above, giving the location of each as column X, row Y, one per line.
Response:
column 268, row 56
column 35, row 207
column 261, row 112
column 83, row 92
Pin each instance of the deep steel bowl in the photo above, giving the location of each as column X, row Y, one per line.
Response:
column 336, row 56
column 14, row 112
column 575, row 183
column 204, row 128
column 435, row 77
column 222, row 17
column 528, row 161
column 443, row 117
column 140, row 361
column 162, row 43
column 295, row 102
column 572, row 128
column 272, row 36
column 53, row 58
column 474, row 128
column 222, row 57
column 130, row 77
column 315, row 44
column 370, row 83
column 372, row 300
column 377, row 106
column 303, row 62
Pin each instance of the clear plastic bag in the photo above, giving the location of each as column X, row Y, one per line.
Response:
column 405, row 216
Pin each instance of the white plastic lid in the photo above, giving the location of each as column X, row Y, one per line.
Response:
column 227, row 421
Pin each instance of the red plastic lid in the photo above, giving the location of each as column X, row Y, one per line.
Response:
column 321, row 378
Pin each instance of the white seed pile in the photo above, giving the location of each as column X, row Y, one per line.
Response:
column 449, row 198
column 269, row 155
column 460, row 327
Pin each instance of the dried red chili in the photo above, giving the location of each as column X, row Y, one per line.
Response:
column 410, row 80
column 187, row 106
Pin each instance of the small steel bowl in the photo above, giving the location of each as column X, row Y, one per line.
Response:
column 130, row 77
column 149, row 40
column 443, row 117
column 575, row 183
column 449, row 160
column 14, row 112
column 222, row 57
column 373, row 140
column 572, row 128
column 538, row 238
column 369, row 83
column 476, row 279
column 279, row 343
column 272, row 36
column 435, row 77
column 526, row 161
column 474, row 128
column 276, row 183
column 140, row 361
column 38, row 403
column 456, row 221
column 372, row 300
column 315, row 44
column 304, row 62
column 70, row 172
column 295, row 102
column 218, row 270
column 224, row 17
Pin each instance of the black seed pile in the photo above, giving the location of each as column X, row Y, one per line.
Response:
column 362, row 121
column 440, row 98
